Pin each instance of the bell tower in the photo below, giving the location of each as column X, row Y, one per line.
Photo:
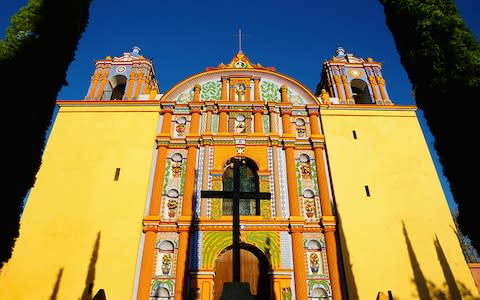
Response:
column 350, row 80
column 127, row 78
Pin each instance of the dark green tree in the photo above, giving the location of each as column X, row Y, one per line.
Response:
column 471, row 254
column 39, row 46
column 442, row 59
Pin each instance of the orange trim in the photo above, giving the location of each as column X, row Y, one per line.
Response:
column 138, row 84
column 339, row 88
column 102, row 85
column 189, row 177
column 222, row 122
column 292, row 182
column 224, row 89
column 195, row 123
column 284, row 94
column 373, row 84
column 258, row 126
column 299, row 263
column 322, row 183
column 181, row 262
column 273, row 122
column 93, row 86
column 256, row 87
column 131, row 82
column 346, row 86
column 333, row 264
column 196, row 93
column 104, row 103
column 381, row 86
column 158, row 181
column 369, row 106
column 232, row 93
column 144, row 282
column 314, row 127
column 327, row 213
column 286, row 124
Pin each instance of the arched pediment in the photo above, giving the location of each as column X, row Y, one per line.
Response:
column 269, row 86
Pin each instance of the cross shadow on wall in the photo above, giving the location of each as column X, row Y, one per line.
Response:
column 427, row 290
column 90, row 279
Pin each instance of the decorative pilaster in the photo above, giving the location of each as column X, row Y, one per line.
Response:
column 103, row 81
column 206, row 154
column 339, row 88
column 383, row 92
column 298, row 253
column 346, row 86
column 258, row 118
column 140, row 77
column 93, row 84
column 256, row 88
column 146, row 272
column 274, row 137
column 328, row 220
column 131, row 83
column 296, row 220
column 148, row 257
column 232, row 92
column 188, row 191
column 224, row 94
column 223, row 118
column 374, row 86
column 248, row 94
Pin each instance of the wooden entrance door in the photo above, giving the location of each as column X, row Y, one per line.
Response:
column 253, row 269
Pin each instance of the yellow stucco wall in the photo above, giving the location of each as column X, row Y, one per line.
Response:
column 76, row 202
column 390, row 155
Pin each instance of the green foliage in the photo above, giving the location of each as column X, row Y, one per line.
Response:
column 442, row 59
column 471, row 254
column 22, row 29
column 34, row 57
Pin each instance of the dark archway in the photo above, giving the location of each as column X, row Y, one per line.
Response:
column 254, row 270
column 360, row 92
column 118, row 82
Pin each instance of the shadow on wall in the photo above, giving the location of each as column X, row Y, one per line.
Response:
column 347, row 265
column 451, row 289
column 89, row 281
column 57, row 285
column 87, row 292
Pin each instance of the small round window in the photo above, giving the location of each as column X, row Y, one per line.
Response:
column 240, row 118
column 177, row 157
column 172, row 193
column 181, row 121
column 300, row 122
column 308, row 193
column 304, row 158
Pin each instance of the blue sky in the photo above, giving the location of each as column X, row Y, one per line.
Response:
column 185, row 37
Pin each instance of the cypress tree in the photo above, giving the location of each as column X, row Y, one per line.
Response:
column 39, row 46
column 442, row 59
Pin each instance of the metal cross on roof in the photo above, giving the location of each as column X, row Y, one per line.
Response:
column 239, row 35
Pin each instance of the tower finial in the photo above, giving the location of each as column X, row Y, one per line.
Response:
column 340, row 51
column 136, row 50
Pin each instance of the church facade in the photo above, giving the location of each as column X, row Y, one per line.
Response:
column 121, row 204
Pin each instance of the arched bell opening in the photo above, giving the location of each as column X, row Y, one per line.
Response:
column 360, row 92
column 118, row 84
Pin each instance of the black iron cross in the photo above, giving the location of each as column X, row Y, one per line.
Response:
column 236, row 195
